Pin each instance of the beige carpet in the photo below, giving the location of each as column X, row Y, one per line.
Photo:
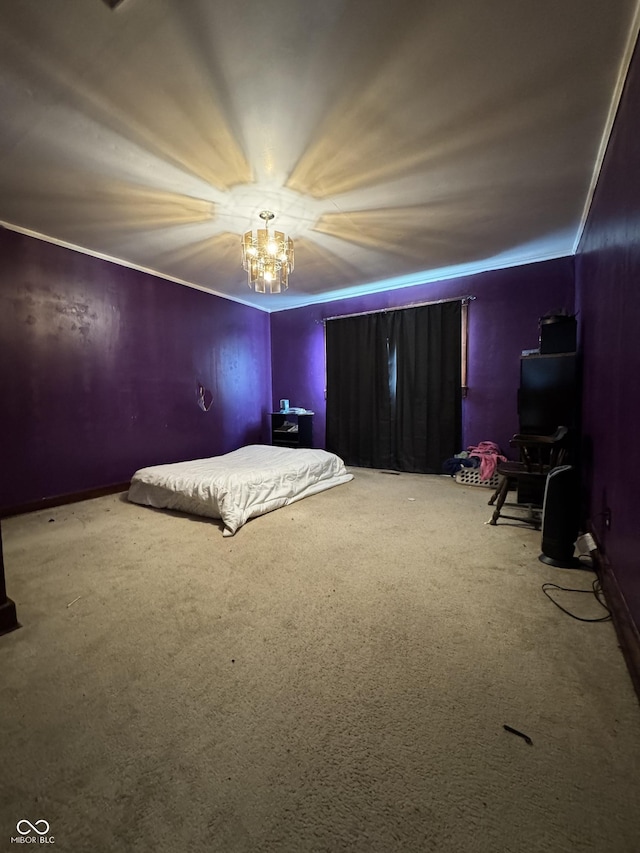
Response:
column 336, row 677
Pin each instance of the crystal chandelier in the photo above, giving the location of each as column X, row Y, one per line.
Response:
column 267, row 256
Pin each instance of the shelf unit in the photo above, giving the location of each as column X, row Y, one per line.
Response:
column 301, row 436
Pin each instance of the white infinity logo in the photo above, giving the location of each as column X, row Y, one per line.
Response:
column 32, row 827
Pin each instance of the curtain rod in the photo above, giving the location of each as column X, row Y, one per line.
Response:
column 463, row 299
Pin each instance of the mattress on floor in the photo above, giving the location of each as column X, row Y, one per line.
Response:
column 240, row 485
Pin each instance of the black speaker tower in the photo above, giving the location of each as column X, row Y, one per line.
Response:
column 561, row 518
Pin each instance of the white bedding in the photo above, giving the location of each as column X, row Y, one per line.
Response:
column 239, row 485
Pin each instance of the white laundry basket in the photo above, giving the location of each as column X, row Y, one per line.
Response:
column 471, row 477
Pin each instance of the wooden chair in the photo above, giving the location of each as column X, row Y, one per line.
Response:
column 539, row 454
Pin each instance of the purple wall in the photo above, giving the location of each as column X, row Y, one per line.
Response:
column 607, row 298
column 503, row 321
column 99, row 367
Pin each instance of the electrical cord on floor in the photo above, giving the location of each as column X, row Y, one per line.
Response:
column 596, row 590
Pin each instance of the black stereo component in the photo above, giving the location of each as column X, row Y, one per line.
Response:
column 557, row 334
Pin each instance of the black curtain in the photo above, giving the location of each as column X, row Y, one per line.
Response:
column 394, row 396
column 358, row 398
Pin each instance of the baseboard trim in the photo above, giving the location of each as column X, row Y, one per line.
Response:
column 624, row 623
column 61, row 500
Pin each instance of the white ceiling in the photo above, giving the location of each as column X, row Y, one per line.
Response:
column 397, row 143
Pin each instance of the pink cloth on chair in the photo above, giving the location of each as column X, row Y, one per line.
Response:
column 489, row 455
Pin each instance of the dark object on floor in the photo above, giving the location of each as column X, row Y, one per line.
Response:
column 539, row 454
column 561, row 518
column 520, row 734
column 8, row 615
column 596, row 588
